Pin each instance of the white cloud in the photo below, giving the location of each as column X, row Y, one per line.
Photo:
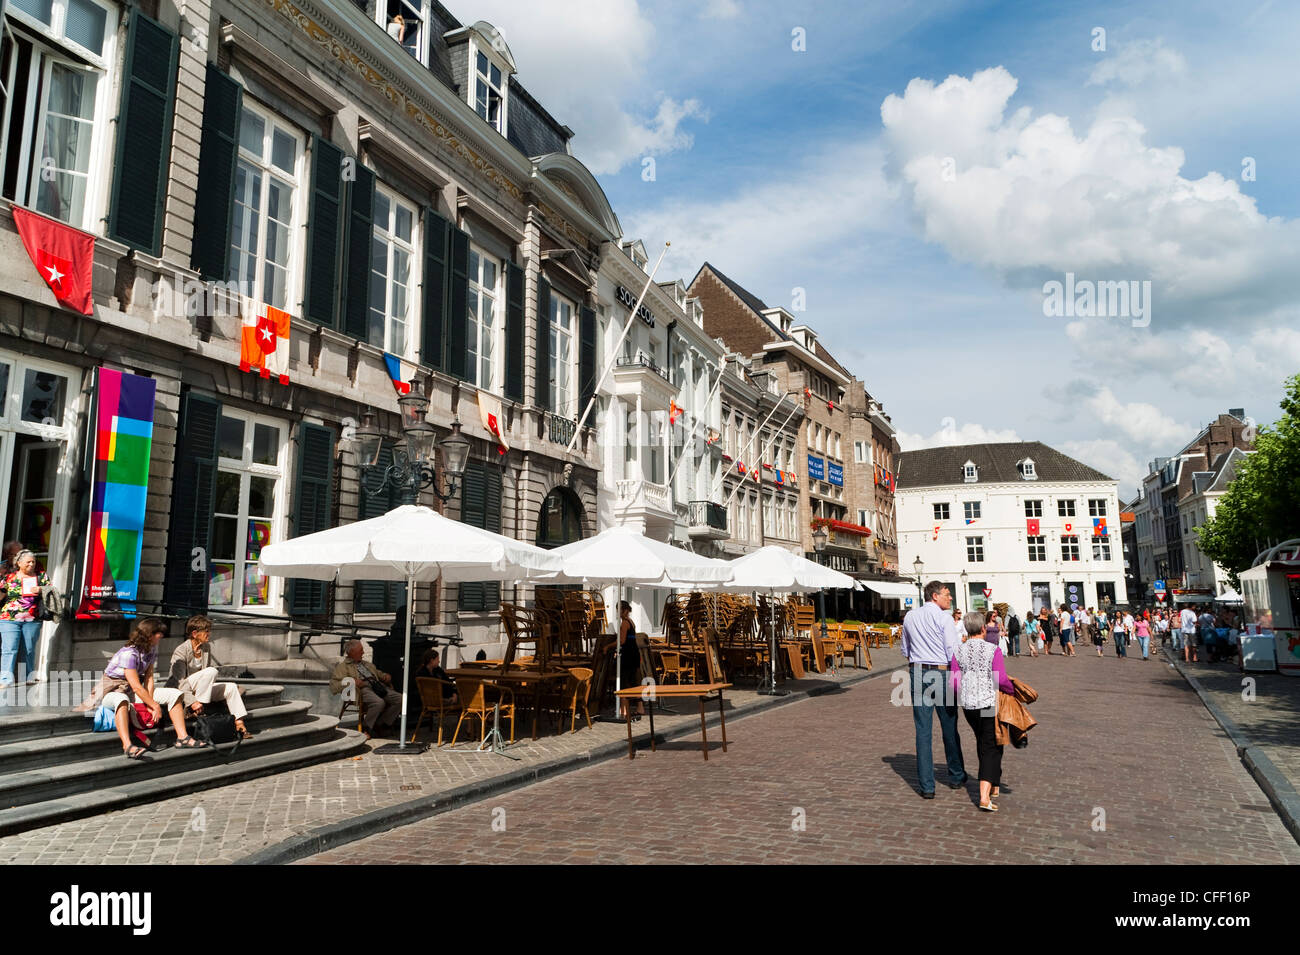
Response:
column 1110, row 458
column 721, row 10
column 950, row 433
column 1132, row 64
column 588, row 64
column 1029, row 199
column 829, row 201
column 1139, row 421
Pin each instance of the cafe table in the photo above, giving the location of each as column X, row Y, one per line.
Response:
column 701, row 691
column 514, row 676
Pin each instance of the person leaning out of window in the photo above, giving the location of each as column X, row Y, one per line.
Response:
column 20, row 615
column 979, row 674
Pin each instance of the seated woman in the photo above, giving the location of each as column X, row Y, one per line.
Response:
column 130, row 673
column 430, row 667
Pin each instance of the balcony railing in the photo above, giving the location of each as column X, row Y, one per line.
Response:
column 561, row 429
column 707, row 514
column 647, row 493
column 644, row 361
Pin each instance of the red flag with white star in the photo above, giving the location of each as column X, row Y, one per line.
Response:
column 64, row 257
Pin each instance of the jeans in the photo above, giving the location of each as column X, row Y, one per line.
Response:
column 1013, row 644
column 10, row 631
column 931, row 693
column 1121, row 643
column 1066, row 638
column 1144, row 643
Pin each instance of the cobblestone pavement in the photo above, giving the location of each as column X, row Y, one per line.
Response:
column 1269, row 718
column 1120, row 742
column 232, row 822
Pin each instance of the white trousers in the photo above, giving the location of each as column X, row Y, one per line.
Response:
column 203, row 686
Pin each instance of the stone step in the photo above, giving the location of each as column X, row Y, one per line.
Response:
column 65, row 782
column 192, row 771
column 67, row 748
column 24, row 723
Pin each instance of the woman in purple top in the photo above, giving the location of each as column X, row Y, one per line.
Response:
column 992, row 629
column 979, row 674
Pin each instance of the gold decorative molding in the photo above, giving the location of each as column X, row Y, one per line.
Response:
column 562, row 224
column 335, row 48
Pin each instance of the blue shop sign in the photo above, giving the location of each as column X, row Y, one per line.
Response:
column 816, row 468
column 837, row 474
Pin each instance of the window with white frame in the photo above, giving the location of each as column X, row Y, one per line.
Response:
column 1065, row 508
column 489, row 91
column 1070, row 547
column 55, row 110
column 561, row 355
column 1037, row 549
column 969, row 472
column 1101, row 548
column 405, row 21
column 975, row 550
column 266, row 194
column 1027, row 470
column 484, row 322
column 861, row 452
column 971, row 509
column 864, row 517
column 36, row 415
column 248, row 510
column 1096, row 507
column 392, row 263
column 941, row 512
column 1033, row 508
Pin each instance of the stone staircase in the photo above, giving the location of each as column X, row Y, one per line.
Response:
column 53, row 768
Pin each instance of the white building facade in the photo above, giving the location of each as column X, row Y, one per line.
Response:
column 1208, row 487
column 1018, row 523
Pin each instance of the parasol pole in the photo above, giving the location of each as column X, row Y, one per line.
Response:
column 406, row 652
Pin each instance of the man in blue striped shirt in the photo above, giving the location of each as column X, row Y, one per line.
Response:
column 929, row 641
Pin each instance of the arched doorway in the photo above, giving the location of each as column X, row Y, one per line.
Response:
column 560, row 519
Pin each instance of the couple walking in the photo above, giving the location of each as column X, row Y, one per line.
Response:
column 935, row 649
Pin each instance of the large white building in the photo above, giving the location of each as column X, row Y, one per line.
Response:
column 1019, row 523
column 1197, row 508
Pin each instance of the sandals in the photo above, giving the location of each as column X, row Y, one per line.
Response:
column 135, row 752
column 242, row 731
column 989, row 807
column 190, row 742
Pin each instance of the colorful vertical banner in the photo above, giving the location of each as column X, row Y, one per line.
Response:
column 122, row 442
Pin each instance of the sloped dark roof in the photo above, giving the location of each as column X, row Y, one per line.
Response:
column 755, row 304
column 996, row 464
column 827, row 357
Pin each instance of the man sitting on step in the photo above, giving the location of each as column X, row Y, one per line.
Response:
column 381, row 705
column 194, row 673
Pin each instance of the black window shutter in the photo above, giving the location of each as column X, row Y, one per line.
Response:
column 586, row 356
column 432, row 336
column 376, row 596
column 324, row 233
column 214, row 203
column 492, row 522
column 542, row 373
column 312, row 505
column 144, row 134
column 473, row 511
column 361, row 229
column 458, row 305
column 514, row 332
column 194, row 486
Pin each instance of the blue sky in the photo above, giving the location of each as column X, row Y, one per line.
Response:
column 1122, row 164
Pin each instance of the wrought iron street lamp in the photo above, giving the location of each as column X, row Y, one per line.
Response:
column 820, row 537
column 965, row 588
column 918, row 565
column 413, row 467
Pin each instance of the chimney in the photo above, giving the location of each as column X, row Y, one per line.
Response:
column 1238, row 413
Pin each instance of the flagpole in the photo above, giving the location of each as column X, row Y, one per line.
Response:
column 707, row 402
column 757, row 432
column 595, row 392
column 760, row 463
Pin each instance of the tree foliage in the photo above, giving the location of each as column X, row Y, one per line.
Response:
column 1262, row 504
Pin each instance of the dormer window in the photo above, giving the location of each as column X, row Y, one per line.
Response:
column 489, row 92
column 404, row 21
column 1027, row 470
column 969, row 473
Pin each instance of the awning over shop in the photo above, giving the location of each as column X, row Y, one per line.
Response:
column 889, row 589
column 1193, row 597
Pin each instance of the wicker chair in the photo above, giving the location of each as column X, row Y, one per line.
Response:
column 478, row 700
column 433, row 702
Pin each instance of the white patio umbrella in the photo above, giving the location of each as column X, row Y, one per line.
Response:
column 775, row 569
column 411, row 543
column 620, row 555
